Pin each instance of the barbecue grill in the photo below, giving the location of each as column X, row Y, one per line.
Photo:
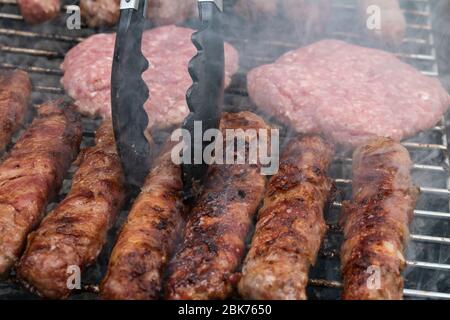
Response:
column 40, row 50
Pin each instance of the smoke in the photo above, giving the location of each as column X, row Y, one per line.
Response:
column 261, row 38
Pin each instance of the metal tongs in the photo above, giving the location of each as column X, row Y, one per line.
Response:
column 129, row 92
column 205, row 96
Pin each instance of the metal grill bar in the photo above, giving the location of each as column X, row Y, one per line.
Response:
column 422, row 189
column 29, row 34
column 429, row 265
column 32, row 69
column 425, row 294
column 406, row 292
column 48, row 89
column 416, row 166
column 413, row 237
column 419, row 213
column 11, row 16
column 333, row 254
column 33, row 52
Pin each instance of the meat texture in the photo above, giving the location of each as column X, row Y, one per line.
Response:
column 376, row 221
column 97, row 13
column 38, row 11
column 87, row 73
column 213, row 247
column 74, row 233
column 349, row 93
column 15, row 90
column 290, row 225
column 149, row 236
column 32, row 173
column 392, row 28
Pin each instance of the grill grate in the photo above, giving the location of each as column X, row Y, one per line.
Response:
column 40, row 49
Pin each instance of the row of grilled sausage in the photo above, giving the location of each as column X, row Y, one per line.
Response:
column 308, row 16
column 97, row 13
column 165, row 251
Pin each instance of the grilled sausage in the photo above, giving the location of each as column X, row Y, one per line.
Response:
column 291, row 225
column 32, row 174
column 15, row 90
column 148, row 237
column 376, row 221
column 38, row 11
column 217, row 226
column 393, row 22
column 97, row 13
column 74, row 233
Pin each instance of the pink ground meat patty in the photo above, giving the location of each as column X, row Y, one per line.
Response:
column 348, row 93
column 87, row 73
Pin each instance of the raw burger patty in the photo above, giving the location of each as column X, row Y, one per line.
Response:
column 347, row 92
column 87, row 73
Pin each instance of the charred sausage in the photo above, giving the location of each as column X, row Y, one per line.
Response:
column 149, row 236
column 97, row 13
column 32, row 174
column 376, row 221
column 290, row 225
column 217, row 227
column 74, row 233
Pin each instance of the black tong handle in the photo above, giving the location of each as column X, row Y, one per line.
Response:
column 205, row 96
column 129, row 92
